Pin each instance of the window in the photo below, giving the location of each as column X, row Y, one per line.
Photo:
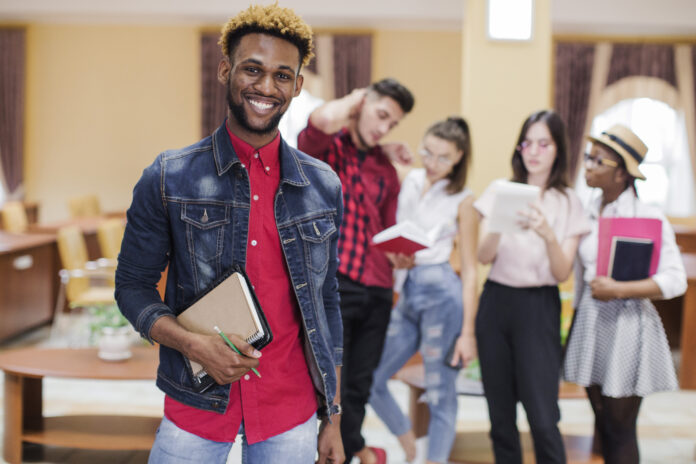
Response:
column 667, row 165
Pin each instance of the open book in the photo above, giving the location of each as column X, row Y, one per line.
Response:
column 404, row 237
column 510, row 199
column 630, row 258
column 231, row 305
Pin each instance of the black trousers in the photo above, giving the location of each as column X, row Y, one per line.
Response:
column 365, row 311
column 518, row 336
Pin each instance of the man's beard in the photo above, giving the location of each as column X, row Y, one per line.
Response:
column 240, row 115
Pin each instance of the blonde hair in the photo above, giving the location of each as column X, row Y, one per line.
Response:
column 274, row 20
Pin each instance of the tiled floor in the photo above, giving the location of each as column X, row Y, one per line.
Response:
column 667, row 423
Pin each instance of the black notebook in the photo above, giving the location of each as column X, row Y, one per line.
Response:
column 230, row 304
column 630, row 258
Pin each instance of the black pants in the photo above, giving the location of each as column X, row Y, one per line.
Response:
column 518, row 336
column 365, row 312
column 615, row 426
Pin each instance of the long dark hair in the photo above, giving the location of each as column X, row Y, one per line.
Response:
column 455, row 129
column 558, row 178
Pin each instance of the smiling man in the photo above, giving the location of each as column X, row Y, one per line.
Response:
column 346, row 133
column 243, row 197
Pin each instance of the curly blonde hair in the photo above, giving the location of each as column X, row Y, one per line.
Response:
column 273, row 20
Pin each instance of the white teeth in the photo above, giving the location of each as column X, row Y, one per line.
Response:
column 260, row 105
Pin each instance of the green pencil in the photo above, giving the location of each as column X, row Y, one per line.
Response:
column 231, row 345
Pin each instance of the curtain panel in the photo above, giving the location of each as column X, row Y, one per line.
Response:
column 572, row 85
column 12, row 76
column 213, row 98
column 651, row 60
column 352, row 56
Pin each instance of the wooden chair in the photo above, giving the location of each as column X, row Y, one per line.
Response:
column 109, row 236
column 84, row 206
column 85, row 283
column 14, row 217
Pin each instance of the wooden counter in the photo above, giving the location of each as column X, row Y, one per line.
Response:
column 29, row 281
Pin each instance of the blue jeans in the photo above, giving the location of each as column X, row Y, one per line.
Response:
column 176, row 446
column 428, row 318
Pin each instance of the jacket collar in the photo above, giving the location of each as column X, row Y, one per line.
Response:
column 291, row 171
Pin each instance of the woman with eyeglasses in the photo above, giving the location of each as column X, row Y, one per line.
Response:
column 436, row 309
column 617, row 348
column 518, row 323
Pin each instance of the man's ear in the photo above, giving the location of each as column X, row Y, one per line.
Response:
column 223, row 72
column 298, row 84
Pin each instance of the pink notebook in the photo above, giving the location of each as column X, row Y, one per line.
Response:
column 609, row 228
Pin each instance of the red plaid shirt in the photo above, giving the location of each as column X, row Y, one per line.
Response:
column 284, row 397
column 370, row 194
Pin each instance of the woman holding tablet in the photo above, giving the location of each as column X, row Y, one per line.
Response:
column 518, row 322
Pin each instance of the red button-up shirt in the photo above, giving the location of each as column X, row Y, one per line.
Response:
column 284, row 396
column 370, row 196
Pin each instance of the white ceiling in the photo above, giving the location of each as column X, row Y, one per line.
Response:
column 607, row 17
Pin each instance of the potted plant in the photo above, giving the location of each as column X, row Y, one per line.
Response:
column 111, row 332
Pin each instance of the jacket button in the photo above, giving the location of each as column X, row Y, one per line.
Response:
column 216, row 404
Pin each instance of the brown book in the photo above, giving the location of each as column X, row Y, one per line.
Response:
column 231, row 305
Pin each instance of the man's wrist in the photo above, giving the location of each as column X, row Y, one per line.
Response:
column 325, row 412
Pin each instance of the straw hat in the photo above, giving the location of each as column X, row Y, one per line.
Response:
column 626, row 144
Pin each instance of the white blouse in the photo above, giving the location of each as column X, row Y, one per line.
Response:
column 670, row 275
column 434, row 211
column 521, row 259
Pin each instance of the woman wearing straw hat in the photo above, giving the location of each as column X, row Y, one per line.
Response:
column 617, row 348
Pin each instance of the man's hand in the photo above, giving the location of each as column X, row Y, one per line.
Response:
column 330, row 445
column 398, row 152
column 220, row 361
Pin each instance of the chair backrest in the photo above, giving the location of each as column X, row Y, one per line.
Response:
column 84, row 206
column 14, row 217
column 110, row 235
column 72, row 250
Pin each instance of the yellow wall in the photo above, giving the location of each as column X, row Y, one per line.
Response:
column 102, row 102
column 502, row 83
column 429, row 64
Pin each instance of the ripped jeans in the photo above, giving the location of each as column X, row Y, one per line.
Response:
column 427, row 318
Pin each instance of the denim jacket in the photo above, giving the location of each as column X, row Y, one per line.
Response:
column 190, row 211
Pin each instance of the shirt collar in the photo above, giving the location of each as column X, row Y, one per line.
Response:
column 624, row 203
column 268, row 154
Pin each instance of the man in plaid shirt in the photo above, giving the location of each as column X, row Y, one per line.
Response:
column 345, row 133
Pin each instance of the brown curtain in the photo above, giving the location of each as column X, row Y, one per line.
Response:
column 693, row 67
column 650, row 60
column 572, row 84
column 213, row 98
column 12, row 70
column 352, row 62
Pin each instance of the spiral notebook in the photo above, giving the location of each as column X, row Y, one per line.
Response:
column 231, row 305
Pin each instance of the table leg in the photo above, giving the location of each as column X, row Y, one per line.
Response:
column 687, row 369
column 12, row 440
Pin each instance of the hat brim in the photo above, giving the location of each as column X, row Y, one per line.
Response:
column 631, row 163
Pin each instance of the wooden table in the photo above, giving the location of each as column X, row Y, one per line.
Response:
column 24, row 421
column 475, row 447
column 687, row 367
column 88, row 226
column 29, row 285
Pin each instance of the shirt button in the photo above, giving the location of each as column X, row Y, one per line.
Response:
column 246, row 377
column 256, row 197
column 267, row 168
column 253, row 243
column 243, row 165
column 256, row 155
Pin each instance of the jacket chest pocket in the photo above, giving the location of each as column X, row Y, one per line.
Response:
column 316, row 236
column 205, row 229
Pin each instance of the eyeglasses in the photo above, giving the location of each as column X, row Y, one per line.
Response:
column 543, row 145
column 442, row 160
column 599, row 161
